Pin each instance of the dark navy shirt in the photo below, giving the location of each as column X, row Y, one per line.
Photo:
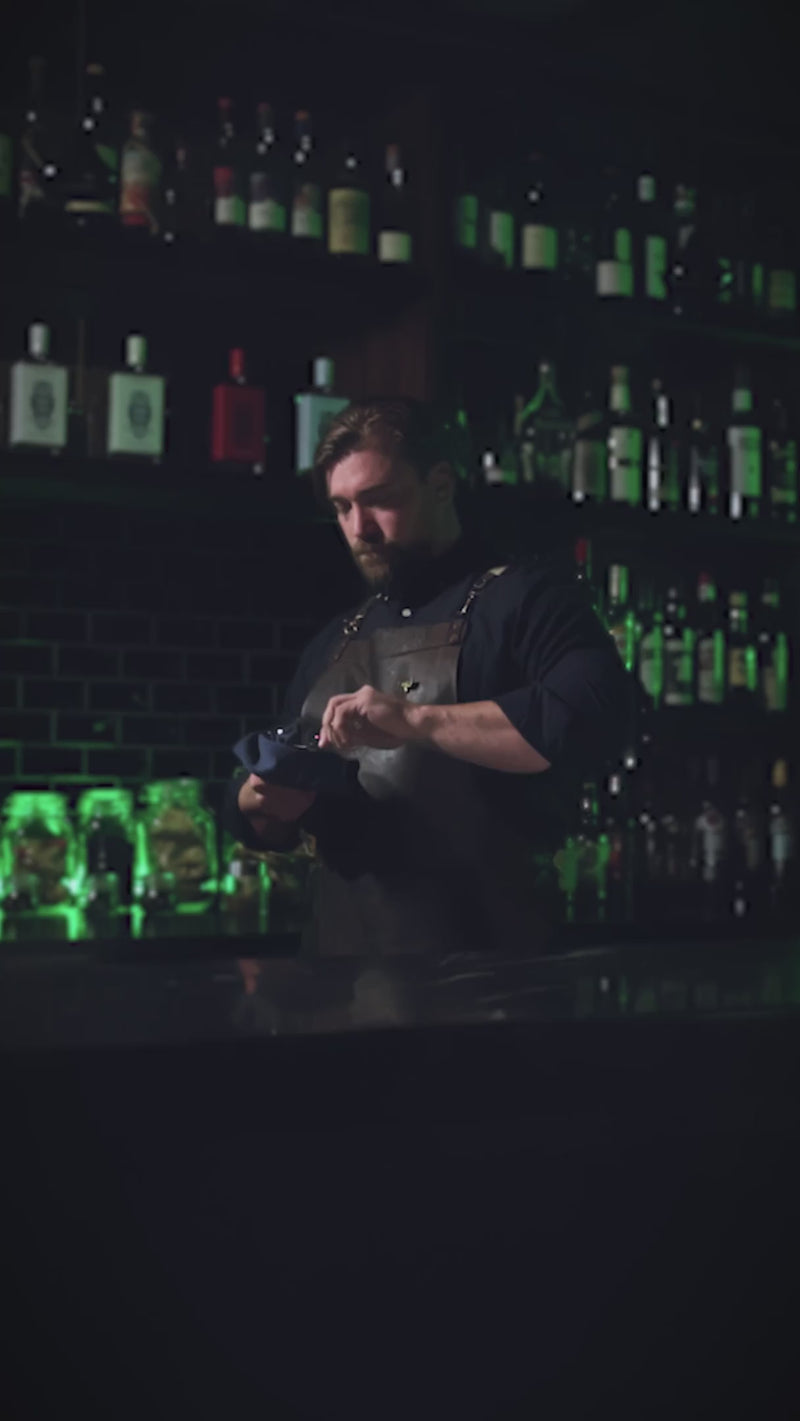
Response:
column 534, row 645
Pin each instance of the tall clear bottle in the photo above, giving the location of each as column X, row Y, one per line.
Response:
column 710, row 845
column 498, row 240
column 663, row 454
column 783, row 895
column 589, row 470
column 744, row 441
column 742, row 684
column 38, row 167
column 308, row 192
column 545, row 434
column 702, row 456
column 349, row 205
column 395, row 242
column 679, row 640
column 228, row 173
column 651, row 242
column 267, row 194
column 538, row 221
column 625, row 441
column 651, row 645
column 620, row 617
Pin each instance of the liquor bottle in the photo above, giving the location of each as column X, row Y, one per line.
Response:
column 702, row 472
column 539, row 243
column 651, row 645
column 651, row 246
column 498, row 243
column 89, row 180
column 742, row 654
column 349, row 216
column 663, row 454
column 230, row 208
column 466, row 206
column 589, row 470
column 140, row 178
column 582, row 862
column 38, row 167
column 710, row 845
column 624, row 437
column 180, row 212
column 690, row 273
column 679, row 641
column 308, row 197
column 38, row 397
column 773, row 650
column 781, row 270
column 744, row 449
column 136, row 406
column 747, row 868
column 315, row 409
column 711, row 648
column 577, row 257
column 491, row 470
column 614, row 268
column 267, row 208
column 545, row 434
column 394, row 238
column 238, row 419
column 781, row 464
column 781, row 847
column 619, row 832
column 620, row 618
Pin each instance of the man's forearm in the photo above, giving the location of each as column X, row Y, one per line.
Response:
column 479, row 732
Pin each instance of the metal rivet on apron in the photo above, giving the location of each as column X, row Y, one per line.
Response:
column 405, row 611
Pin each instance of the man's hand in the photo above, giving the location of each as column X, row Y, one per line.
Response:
column 365, row 717
column 262, row 802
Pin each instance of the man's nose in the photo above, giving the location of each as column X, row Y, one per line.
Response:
column 363, row 524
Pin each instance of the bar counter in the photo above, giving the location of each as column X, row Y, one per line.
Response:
column 242, row 1186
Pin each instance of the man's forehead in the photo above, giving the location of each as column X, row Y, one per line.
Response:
column 366, row 468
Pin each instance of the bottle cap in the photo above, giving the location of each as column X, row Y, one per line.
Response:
column 39, row 339
column 780, row 774
column 323, row 372
column 646, row 187
column 236, row 364
column 135, row 350
column 619, row 373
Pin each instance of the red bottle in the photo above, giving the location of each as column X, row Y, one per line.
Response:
column 238, row 425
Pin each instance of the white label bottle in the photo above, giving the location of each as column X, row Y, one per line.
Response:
column 38, row 413
column 136, row 406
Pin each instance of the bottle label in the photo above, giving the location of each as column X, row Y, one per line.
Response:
column 265, row 213
column 781, row 841
column 5, row 165
column 655, row 268
column 711, row 669
column 589, row 469
column 678, row 670
column 307, row 210
column 229, row 207
column 663, row 474
column 394, row 246
column 467, row 221
column 625, row 464
column 710, row 830
column 775, row 675
column 782, row 292
column 140, row 177
column 136, row 414
column 623, row 246
column 38, row 413
column 744, row 444
column 539, row 248
column 348, row 221
column 501, row 236
column 614, row 278
column 782, row 474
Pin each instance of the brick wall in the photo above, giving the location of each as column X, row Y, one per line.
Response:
column 138, row 645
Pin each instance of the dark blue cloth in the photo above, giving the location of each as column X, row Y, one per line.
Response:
column 278, row 759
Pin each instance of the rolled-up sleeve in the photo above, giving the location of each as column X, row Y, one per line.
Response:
column 575, row 700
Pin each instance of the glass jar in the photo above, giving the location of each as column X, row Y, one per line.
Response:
column 105, row 847
column 38, row 867
column 176, row 843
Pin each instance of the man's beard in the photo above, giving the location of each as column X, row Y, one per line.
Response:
column 381, row 564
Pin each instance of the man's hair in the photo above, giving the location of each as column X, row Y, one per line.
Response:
column 418, row 433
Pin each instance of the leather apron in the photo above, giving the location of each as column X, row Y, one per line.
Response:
column 451, row 875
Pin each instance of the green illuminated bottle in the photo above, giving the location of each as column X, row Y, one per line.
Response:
column 742, row 679
column 678, row 646
column 244, row 891
column 663, row 470
column 780, row 306
column 780, row 464
column 619, row 614
column 267, row 181
column 651, row 646
column 106, row 849
column 651, row 246
column 625, row 441
column 38, row 868
column 591, row 857
column 394, row 240
column 773, row 650
column 498, row 241
column 702, row 467
column 545, row 434
column 177, row 851
column 711, row 649
column 466, row 207
column 614, row 270
column 745, row 451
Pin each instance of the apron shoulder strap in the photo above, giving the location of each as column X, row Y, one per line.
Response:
column 458, row 625
column 352, row 624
